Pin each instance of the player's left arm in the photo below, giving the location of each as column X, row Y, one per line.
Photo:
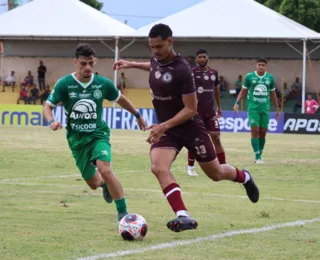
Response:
column 274, row 100
column 127, row 105
column 217, row 97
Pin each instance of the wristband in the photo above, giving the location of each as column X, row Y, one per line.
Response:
column 237, row 102
column 51, row 121
column 137, row 115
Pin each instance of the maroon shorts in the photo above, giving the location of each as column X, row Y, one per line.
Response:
column 211, row 122
column 194, row 137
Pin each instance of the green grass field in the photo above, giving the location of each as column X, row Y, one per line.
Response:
column 48, row 212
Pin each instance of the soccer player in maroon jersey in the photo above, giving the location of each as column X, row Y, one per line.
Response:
column 206, row 81
column 175, row 102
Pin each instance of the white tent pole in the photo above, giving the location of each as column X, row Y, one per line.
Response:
column 116, row 57
column 304, row 71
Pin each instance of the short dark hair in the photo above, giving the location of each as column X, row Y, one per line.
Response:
column 202, row 51
column 261, row 59
column 85, row 50
column 161, row 30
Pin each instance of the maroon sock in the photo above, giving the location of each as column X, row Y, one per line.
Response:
column 240, row 176
column 190, row 159
column 222, row 158
column 173, row 194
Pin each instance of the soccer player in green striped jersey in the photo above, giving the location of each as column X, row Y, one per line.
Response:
column 259, row 88
column 82, row 94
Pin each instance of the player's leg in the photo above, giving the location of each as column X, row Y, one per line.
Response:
column 162, row 155
column 191, row 169
column 206, row 157
column 254, row 121
column 89, row 172
column 264, row 123
column 213, row 127
column 101, row 155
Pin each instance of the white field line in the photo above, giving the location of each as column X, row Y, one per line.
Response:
column 199, row 239
column 158, row 191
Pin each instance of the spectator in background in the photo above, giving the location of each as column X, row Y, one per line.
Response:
column 42, row 76
column 222, row 84
column 238, row 84
column 44, row 96
column 285, row 94
column 28, row 80
column 23, row 95
column 296, row 87
column 34, row 95
column 311, row 106
column 10, row 82
column 122, row 84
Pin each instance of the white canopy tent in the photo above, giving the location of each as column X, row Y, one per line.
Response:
column 236, row 20
column 61, row 20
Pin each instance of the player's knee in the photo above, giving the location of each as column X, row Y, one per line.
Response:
column 106, row 172
column 216, row 177
column 216, row 139
column 158, row 170
column 93, row 186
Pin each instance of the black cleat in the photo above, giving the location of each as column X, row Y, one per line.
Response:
column 106, row 194
column 182, row 223
column 251, row 189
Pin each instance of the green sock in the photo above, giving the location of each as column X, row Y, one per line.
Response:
column 262, row 141
column 121, row 205
column 104, row 185
column 255, row 147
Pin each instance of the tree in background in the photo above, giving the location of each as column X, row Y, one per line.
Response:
column 93, row 3
column 306, row 12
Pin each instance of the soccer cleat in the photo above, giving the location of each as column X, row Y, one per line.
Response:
column 251, row 189
column 259, row 161
column 182, row 223
column 121, row 215
column 192, row 171
column 106, row 194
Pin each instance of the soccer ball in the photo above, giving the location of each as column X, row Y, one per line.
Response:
column 133, row 227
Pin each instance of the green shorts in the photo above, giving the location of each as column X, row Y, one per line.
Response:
column 259, row 118
column 86, row 156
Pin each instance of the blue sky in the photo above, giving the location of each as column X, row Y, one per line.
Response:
column 137, row 12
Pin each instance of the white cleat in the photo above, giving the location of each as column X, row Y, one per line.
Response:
column 259, row 161
column 192, row 171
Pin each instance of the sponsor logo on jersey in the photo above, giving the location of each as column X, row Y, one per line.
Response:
column 260, row 93
column 167, row 77
column 159, row 97
column 97, row 94
column 97, row 86
column 200, row 90
column 206, row 77
column 84, row 109
column 72, row 95
column 85, row 95
column 157, row 74
column 73, row 86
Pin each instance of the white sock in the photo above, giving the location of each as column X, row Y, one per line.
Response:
column 190, row 167
column 247, row 177
column 182, row 213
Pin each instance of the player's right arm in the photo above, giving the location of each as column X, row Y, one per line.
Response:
column 124, row 64
column 243, row 93
column 54, row 98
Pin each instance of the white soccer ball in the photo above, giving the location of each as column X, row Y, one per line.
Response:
column 133, row 227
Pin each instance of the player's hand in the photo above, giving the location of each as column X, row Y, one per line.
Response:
column 219, row 112
column 55, row 125
column 121, row 64
column 278, row 115
column 236, row 108
column 142, row 123
column 157, row 130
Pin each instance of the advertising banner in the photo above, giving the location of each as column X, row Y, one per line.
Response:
column 118, row 118
column 302, row 124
